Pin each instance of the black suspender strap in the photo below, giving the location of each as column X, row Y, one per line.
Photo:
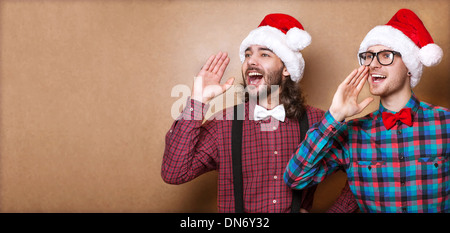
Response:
column 236, row 158
column 297, row 194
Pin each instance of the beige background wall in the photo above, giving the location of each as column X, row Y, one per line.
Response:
column 85, row 90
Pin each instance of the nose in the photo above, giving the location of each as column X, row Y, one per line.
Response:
column 251, row 60
column 374, row 64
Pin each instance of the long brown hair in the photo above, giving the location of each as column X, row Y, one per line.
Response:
column 292, row 98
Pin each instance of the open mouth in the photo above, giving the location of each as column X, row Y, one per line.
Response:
column 254, row 78
column 377, row 78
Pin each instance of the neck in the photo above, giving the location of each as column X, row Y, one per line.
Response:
column 395, row 102
column 271, row 101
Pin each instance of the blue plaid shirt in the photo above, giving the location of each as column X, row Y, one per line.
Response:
column 404, row 169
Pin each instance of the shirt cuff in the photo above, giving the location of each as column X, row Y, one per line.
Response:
column 330, row 126
column 194, row 110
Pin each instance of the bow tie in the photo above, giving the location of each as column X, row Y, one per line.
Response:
column 390, row 119
column 261, row 113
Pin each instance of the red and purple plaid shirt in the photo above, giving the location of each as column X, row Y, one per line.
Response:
column 402, row 169
column 193, row 148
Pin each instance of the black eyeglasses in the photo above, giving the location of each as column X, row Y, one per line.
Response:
column 385, row 57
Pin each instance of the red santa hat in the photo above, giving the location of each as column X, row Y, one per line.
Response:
column 405, row 33
column 283, row 35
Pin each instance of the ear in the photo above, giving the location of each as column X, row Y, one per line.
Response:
column 286, row 72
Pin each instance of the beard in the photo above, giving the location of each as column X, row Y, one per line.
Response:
column 272, row 82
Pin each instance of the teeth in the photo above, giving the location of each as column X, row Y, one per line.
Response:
column 254, row 74
column 254, row 77
column 378, row 76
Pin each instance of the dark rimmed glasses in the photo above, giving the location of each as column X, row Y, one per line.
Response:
column 385, row 57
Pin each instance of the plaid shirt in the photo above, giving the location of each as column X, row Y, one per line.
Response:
column 193, row 148
column 404, row 169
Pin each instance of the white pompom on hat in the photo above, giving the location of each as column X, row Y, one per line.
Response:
column 284, row 36
column 406, row 34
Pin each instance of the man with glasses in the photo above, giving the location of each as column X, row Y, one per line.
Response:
column 396, row 158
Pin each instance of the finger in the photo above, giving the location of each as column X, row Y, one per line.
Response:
column 223, row 66
column 363, row 80
column 214, row 62
column 350, row 77
column 357, row 76
column 206, row 66
column 220, row 62
column 360, row 76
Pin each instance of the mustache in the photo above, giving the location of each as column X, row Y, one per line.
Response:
column 253, row 68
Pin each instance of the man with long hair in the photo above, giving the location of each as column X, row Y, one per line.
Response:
column 249, row 144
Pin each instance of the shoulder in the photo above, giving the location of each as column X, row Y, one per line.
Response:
column 434, row 110
column 430, row 107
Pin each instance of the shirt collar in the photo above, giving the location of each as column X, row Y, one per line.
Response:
column 412, row 103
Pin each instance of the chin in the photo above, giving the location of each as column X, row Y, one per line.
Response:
column 376, row 90
column 257, row 90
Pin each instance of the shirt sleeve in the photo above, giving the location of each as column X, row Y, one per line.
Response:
column 319, row 155
column 345, row 203
column 190, row 147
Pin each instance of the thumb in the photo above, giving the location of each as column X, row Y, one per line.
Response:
column 365, row 103
column 228, row 84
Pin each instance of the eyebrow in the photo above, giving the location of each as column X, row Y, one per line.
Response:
column 261, row 48
column 384, row 50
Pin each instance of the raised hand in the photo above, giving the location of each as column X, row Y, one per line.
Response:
column 207, row 83
column 345, row 99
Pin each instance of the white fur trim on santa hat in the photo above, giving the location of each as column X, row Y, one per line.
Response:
column 297, row 39
column 276, row 41
column 431, row 54
column 397, row 41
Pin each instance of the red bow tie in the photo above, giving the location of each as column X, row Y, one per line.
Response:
column 390, row 119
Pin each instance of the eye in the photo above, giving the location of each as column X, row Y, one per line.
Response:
column 265, row 55
column 247, row 55
column 366, row 55
column 387, row 55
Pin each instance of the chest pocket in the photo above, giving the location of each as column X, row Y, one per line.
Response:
column 434, row 161
column 369, row 165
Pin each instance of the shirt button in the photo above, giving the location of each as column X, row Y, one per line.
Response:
column 274, row 201
column 399, row 132
column 274, row 128
column 191, row 109
column 401, row 156
column 275, row 152
column 275, row 177
column 402, row 181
